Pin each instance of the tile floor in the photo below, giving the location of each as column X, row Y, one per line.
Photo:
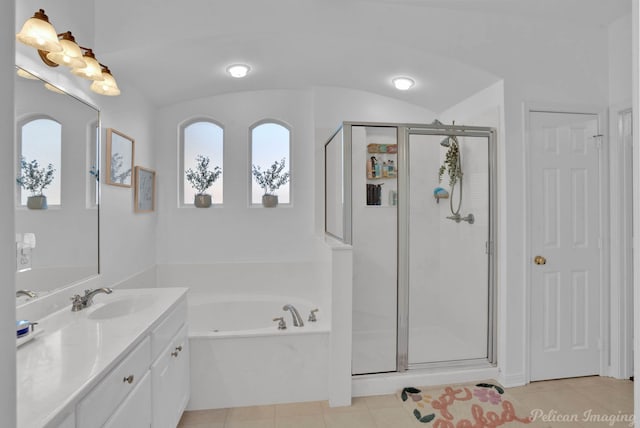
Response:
column 603, row 397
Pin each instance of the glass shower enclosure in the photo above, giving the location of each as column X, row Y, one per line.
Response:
column 417, row 204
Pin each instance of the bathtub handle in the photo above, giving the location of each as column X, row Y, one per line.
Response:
column 281, row 324
column 312, row 315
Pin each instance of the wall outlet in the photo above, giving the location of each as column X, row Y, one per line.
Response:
column 23, row 259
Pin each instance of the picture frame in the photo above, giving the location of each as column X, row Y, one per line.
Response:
column 120, row 157
column 144, row 190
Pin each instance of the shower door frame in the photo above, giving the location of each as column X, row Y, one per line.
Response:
column 404, row 132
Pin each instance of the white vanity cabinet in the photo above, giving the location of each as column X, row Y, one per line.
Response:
column 107, row 366
column 103, row 400
column 150, row 387
column 136, row 410
column 170, row 381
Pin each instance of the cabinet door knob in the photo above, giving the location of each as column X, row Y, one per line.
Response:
column 175, row 353
column 128, row 379
column 179, row 348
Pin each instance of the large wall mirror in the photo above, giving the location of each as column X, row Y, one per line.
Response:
column 56, row 145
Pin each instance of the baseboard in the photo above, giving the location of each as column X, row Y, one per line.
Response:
column 509, row 381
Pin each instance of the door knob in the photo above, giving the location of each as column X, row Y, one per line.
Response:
column 539, row 260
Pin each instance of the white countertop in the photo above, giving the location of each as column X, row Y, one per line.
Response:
column 74, row 352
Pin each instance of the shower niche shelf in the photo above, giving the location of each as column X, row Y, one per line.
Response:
column 381, row 166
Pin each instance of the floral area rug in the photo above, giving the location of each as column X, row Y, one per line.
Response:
column 463, row 406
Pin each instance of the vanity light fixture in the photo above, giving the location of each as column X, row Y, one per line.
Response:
column 238, row 70
column 38, row 32
column 107, row 86
column 403, row 83
column 70, row 56
column 61, row 49
column 91, row 70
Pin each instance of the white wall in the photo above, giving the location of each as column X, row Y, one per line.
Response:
column 620, row 91
column 7, row 246
column 619, row 48
column 559, row 80
column 635, row 67
column 127, row 239
column 236, row 231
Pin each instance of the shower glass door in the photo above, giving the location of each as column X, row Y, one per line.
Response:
column 446, row 272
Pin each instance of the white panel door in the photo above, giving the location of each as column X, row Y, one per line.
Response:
column 565, row 239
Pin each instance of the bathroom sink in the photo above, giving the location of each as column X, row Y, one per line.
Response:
column 120, row 307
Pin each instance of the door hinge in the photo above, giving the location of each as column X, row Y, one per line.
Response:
column 488, row 247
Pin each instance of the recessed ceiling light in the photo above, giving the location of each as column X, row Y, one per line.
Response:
column 403, row 83
column 238, row 70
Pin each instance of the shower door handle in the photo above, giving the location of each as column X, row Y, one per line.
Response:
column 539, row 260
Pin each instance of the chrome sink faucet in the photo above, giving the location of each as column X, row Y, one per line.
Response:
column 27, row 293
column 297, row 319
column 81, row 302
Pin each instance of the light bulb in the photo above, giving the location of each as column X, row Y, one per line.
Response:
column 403, row 83
column 238, row 70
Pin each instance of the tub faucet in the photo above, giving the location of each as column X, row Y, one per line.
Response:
column 297, row 319
column 81, row 302
column 28, row 293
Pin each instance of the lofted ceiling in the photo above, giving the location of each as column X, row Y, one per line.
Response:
column 177, row 51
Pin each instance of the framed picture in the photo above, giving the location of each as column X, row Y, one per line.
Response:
column 120, row 150
column 145, row 190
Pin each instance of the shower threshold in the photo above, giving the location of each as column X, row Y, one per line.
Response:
column 445, row 373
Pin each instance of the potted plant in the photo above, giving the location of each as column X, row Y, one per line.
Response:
column 270, row 180
column 201, row 179
column 451, row 164
column 35, row 180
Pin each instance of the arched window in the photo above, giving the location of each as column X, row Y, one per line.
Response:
column 270, row 144
column 41, row 141
column 201, row 138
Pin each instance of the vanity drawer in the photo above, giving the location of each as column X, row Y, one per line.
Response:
column 135, row 412
column 164, row 333
column 99, row 404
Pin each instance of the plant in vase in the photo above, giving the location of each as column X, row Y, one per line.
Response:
column 271, row 180
column 451, row 164
column 201, row 179
column 35, row 180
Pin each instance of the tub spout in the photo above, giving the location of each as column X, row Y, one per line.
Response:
column 297, row 319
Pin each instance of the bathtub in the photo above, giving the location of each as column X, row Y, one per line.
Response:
column 240, row 358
